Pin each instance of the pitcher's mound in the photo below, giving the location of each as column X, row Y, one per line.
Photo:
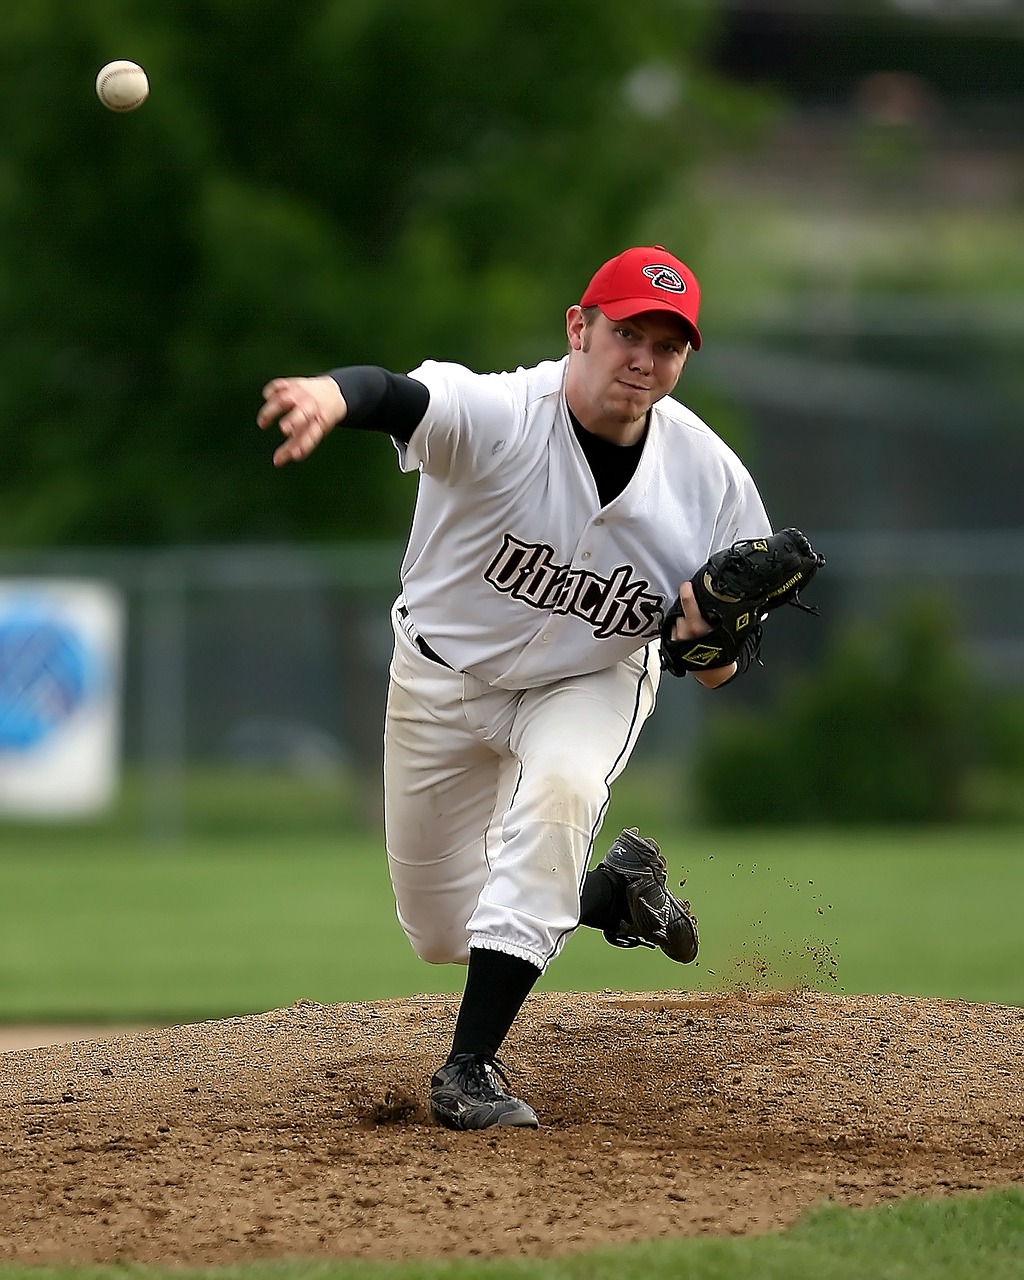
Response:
column 304, row 1132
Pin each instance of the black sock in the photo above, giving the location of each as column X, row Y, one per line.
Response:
column 496, row 987
column 603, row 900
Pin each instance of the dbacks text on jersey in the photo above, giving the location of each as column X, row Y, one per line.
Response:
column 618, row 605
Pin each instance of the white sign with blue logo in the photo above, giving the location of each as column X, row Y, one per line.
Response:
column 61, row 645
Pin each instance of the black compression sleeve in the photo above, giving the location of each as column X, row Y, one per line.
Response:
column 379, row 400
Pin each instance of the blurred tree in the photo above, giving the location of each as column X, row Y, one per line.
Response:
column 894, row 727
column 311, row 183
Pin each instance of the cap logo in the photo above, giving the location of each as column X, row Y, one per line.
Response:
column 662, row 277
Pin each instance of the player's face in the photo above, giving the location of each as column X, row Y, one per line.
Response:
column 619, row 368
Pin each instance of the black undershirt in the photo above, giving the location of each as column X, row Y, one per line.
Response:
column 611, row 465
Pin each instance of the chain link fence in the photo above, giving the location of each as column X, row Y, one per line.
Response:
column 273, row 659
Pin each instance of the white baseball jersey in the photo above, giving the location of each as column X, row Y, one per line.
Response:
column 514, row 571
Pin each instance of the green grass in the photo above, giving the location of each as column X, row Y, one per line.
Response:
column 969, row 1238
column 114, row 929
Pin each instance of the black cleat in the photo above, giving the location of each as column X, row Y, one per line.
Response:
column 467, row 1093
column 656, row 918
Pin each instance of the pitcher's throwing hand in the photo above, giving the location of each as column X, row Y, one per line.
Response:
column 305, row 409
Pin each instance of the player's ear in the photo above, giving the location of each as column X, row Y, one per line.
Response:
column 574, row 325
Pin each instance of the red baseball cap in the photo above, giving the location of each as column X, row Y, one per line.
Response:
column 646, row 279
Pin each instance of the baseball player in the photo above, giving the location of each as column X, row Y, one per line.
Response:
column 560, row 511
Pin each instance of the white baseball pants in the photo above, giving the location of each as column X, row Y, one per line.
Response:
column 492, row 799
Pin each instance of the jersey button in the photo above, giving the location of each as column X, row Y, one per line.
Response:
column 585, row 555
column 599, row 520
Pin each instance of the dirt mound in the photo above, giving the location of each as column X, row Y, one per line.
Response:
column 303, row 1131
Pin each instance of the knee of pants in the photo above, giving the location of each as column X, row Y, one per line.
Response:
column 438, row 945
column 564, row 795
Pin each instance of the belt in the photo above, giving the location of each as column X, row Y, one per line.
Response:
column 420, row 643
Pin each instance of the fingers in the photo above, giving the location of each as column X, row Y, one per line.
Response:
column 289, row 402
column 692, row 624
column 278, row 397
column 304, row 436
column 305, row 410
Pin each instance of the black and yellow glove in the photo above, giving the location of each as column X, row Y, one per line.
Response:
column 735, row 591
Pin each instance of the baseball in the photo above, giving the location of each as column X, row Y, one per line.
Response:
column 122, row 85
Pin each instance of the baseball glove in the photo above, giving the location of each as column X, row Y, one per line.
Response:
column 735, row 591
